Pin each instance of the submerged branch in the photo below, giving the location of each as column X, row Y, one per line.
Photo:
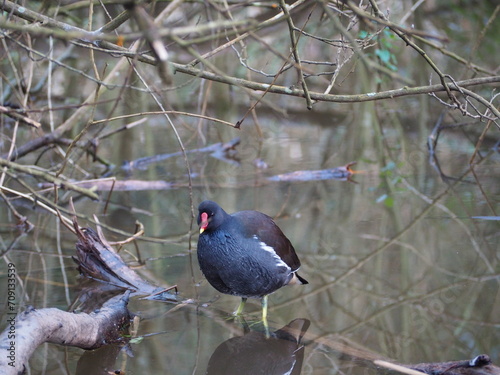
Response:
column 479, row 365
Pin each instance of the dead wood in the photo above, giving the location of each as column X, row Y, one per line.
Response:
column 353, row 352
column 97, row 260
column 225, row 151
column 343, row 173
column 111, row 184
column 87, row 331
column 479, row 365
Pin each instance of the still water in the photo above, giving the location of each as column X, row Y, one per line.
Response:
column 398, row 267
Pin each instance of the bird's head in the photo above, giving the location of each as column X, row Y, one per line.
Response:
column 210, row 216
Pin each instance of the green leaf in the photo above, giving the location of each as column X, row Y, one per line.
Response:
column 363, row 34
column 384, row 55
column 389, row 202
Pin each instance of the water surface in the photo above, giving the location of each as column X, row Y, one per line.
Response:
column 398, row 267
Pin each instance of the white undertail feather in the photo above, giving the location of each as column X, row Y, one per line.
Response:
column 295, row 280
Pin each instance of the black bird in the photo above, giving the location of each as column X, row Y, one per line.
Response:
column 245, row 254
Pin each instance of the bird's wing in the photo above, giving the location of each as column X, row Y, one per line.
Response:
column 254, row 223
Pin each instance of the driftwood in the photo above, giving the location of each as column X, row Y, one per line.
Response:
column 112, row 184
column 479, row 365
column 34, row 327
column 97, row 260
column 350, row 351
column 343, row 173
column 225, row 151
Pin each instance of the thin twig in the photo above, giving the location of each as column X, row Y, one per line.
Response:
column 403, row 35
column 39, row 173
column 294, row 47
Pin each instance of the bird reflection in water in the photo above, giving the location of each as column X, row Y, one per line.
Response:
column 253, row 353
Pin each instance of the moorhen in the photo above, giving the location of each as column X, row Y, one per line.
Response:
column 245, row 254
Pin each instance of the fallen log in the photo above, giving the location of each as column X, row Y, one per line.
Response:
column 479, row 365
column 33, row 327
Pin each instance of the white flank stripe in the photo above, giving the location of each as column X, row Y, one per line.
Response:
column 269, row 249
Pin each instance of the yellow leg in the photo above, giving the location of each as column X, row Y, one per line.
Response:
column 239, row 310
column 264, row 315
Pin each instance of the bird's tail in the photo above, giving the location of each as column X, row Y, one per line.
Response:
column 297, row 279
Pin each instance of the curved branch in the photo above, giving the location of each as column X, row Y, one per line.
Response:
column 390, row 94
column 30, row 329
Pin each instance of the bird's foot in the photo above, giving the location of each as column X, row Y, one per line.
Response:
column 261, row 326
